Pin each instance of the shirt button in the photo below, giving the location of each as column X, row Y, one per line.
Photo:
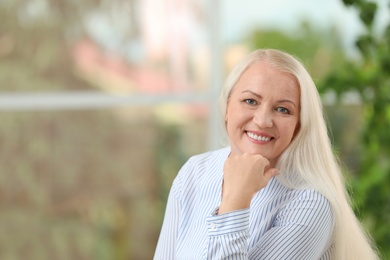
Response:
column 213, row 226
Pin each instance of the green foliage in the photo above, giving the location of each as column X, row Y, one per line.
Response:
column 369, row 77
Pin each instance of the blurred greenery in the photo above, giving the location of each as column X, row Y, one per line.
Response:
column 318, row 49
column 93, row 184
column 369, row 78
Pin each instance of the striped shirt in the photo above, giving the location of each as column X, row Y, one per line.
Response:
column 281, row 223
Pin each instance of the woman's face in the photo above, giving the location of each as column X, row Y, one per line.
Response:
column 262, row 112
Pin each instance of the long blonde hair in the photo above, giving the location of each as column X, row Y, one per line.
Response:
column 309, row 160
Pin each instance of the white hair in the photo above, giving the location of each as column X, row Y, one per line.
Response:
column 309, row 160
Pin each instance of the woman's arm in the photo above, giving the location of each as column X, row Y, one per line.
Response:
column 302, row 230
column 228, row 229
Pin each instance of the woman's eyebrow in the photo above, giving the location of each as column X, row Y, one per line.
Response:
column 287, row 100
column 279, row 101
column 254, row 93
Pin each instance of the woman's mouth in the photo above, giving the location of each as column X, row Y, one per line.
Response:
column 258, row 137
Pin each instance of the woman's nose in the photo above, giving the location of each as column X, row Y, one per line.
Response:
column 263, row 118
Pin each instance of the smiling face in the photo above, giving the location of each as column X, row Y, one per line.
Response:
column 262, row 112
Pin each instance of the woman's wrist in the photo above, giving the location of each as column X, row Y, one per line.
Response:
column 232, row 204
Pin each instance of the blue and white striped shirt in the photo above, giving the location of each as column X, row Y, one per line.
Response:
column 280, row 223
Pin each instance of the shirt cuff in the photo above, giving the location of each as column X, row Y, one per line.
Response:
column 230, row 222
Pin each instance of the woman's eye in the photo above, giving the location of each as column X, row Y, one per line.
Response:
column 283, row 110
column 250, row 101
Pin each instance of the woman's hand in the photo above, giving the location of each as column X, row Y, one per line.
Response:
column 244, row 175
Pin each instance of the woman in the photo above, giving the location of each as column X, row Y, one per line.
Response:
column 277, row 191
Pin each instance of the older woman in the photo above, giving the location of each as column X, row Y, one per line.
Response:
column 276, row 192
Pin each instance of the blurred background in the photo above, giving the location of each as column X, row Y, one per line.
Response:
column 102, row 101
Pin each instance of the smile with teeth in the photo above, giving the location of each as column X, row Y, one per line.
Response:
column 258, row 137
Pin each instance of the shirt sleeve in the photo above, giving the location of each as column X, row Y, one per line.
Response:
column 166, row 245
column 302, row 229
column 228, row 235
